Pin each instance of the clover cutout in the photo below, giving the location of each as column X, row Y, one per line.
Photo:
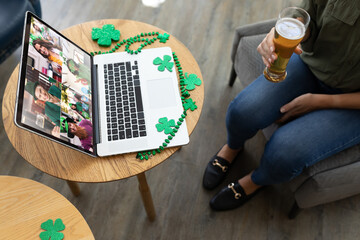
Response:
column 165, row 124
column 164, row 63
column 105, row 35
column 191, row 80
column 189, row 103
column 52, row 230
column 163, row 37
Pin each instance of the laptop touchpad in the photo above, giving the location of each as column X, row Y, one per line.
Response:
column 161, row 93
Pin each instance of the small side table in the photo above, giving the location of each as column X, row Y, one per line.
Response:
column 25, row 204
column 73, row 166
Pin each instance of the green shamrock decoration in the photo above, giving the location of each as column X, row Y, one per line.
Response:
column 164, row 63
column 163, row 37
column 165, row 124
column 191, row 80
column 71, row 66
column 189, row 103
column 52, row 230
column 105, row 35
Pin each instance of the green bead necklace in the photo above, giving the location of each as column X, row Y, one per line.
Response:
column 145, row 38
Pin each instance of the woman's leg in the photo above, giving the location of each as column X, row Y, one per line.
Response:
column 292, row 148
column 258, row 105
column 305, row 141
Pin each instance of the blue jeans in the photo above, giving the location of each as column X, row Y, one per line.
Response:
column 299, row 143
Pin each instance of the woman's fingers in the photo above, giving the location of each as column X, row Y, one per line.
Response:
column 298, row 50
column 267, row 48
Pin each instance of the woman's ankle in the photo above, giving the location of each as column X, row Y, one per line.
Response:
column 228, row 153
column 248, row 185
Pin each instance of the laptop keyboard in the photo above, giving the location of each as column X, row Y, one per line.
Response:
column 124, row 107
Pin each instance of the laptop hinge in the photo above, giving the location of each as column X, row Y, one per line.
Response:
column 96, row 111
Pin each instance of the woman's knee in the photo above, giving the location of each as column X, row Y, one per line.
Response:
column 283, row 159
column 246, row 110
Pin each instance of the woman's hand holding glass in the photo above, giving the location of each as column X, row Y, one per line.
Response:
column 267, row 48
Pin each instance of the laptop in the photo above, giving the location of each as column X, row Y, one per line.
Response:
column 100, row 105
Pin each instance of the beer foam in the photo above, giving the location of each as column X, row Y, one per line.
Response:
column 290, row 28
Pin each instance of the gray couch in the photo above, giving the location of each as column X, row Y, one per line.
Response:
column 331, row 179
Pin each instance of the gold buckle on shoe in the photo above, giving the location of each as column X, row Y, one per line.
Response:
column 237, row 195
column 216, row 163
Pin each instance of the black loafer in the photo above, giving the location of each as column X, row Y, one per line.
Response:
column 215, row 172
column 230, row 197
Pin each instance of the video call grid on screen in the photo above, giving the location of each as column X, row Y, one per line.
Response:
column 57, row 88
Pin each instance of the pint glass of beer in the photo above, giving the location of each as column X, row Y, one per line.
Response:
column 289, row 31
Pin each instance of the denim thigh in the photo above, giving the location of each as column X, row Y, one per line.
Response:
column 305, row 141
column 258, row 105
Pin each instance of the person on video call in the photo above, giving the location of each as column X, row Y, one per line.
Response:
column 48, row 51
column 317, row 105
column 83, row 130
column 51, row 98
column 42, row 33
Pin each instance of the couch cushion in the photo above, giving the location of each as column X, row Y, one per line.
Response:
column 250, row 30
column 248, row 64
column 331, row 185
column 342, row 159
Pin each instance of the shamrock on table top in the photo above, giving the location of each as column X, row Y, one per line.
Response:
column 163, row 37
column 191, row 80
column 189, row 103
column 165, row 124
column 52, row 230
column 164, row 63
column 105, row 35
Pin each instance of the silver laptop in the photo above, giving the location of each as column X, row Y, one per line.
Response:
column 100, row 105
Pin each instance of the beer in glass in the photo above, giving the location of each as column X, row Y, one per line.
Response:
column 290, row 29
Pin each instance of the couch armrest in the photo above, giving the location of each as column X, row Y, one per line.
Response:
column 250, row 30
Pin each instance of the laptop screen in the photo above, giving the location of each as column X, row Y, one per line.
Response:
column 54, row 95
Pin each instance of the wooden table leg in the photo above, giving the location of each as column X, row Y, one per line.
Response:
column 74, row 187
column 146, row 196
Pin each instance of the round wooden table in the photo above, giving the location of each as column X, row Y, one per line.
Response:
column 73, row 166
column 25, row 204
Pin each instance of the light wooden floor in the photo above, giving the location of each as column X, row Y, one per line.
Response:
column 114, row 210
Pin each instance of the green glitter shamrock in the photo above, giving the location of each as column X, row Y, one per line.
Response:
column 189, row 103
column 52, row 230
column 191, row 80
column 164, row 63
column 165, row 124
column 163, row 37
column 105, row 35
